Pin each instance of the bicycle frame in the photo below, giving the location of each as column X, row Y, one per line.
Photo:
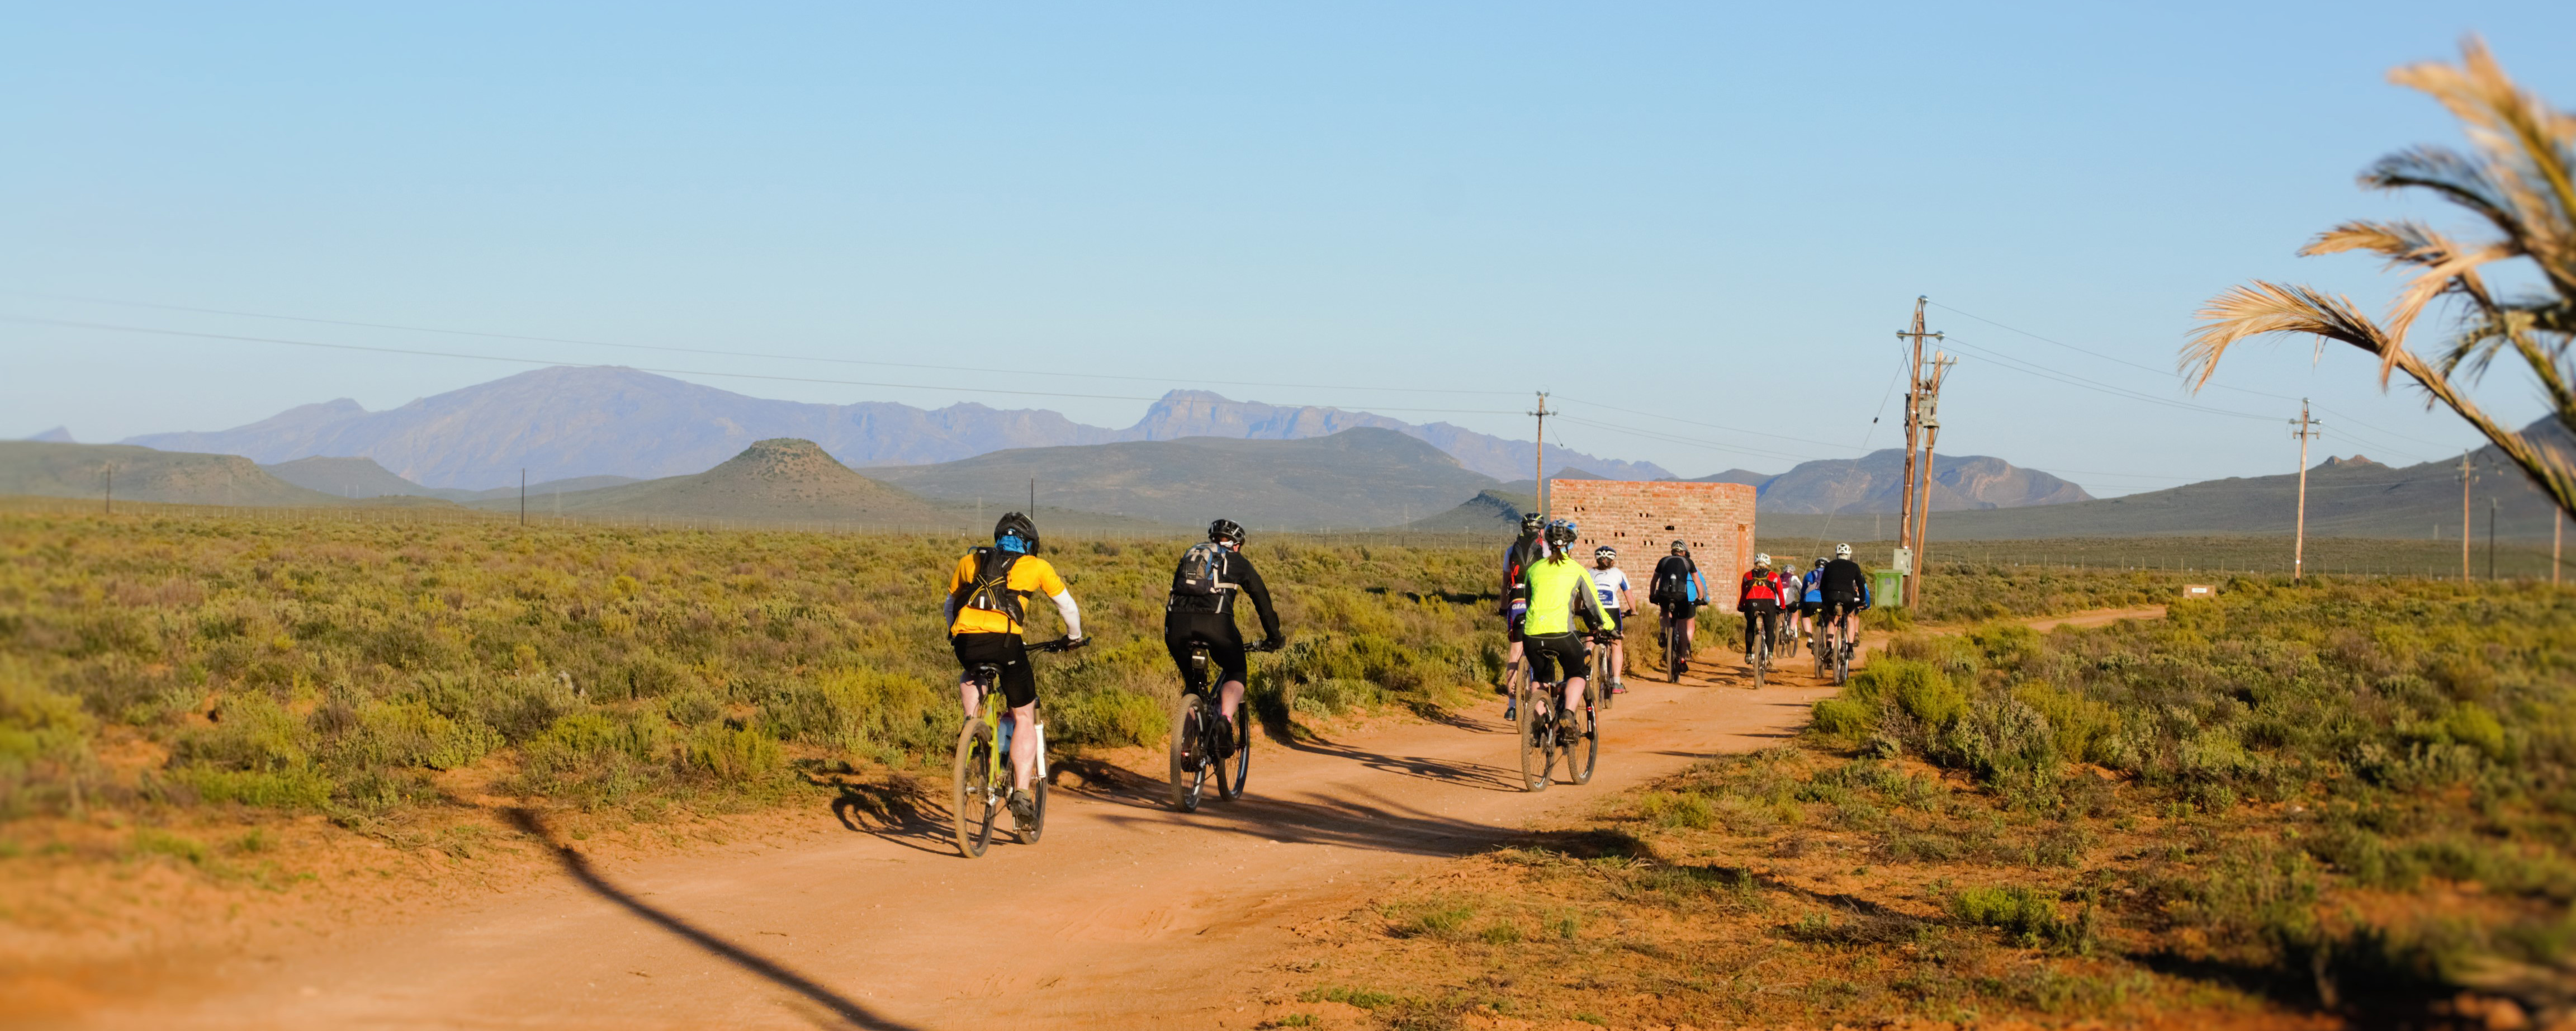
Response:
column 983, row 775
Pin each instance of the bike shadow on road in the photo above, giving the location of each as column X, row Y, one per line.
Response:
column 1466, row 772
column 1355, row 818
column 578, row 865
column 897, row 809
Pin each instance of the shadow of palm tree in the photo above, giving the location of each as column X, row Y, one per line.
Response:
column 578, row 866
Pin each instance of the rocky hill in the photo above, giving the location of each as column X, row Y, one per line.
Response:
column 774, row 480
column 587, row 421
column 362, row 478
column 49, row 469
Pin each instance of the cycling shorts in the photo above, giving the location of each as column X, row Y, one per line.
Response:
column 1224, row 641
column 1547, row 652
column 1618, row 622
column 1809, row 608
column 1680, row 610
column 1832, row 610
column 1006, row 652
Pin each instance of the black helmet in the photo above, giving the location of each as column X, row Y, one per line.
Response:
column 1014, row 524
column 1560, row 534
column 1680, row 548
column 1227, row 531
column 1530, row 523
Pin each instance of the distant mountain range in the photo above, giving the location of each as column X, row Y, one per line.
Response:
column 1360, row 477
column 565, row 422
column 1875, row 482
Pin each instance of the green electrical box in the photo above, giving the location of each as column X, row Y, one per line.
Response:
column 1887, row 587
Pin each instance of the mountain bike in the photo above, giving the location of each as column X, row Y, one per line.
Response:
column 1834, row 654
column 1544, row 740
column 983, row 771
column 1197, row 744
column 1762, row 653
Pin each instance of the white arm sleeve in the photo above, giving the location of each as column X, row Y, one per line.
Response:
column 1071, row 612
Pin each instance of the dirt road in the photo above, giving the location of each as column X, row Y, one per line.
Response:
column 1128, row 915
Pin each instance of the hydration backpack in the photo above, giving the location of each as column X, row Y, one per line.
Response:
column 1202, row 573
column 990, row 590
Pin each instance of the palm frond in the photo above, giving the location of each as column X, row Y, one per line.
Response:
column 2262, row 308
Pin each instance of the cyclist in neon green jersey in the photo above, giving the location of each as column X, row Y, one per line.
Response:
column 1561, row 595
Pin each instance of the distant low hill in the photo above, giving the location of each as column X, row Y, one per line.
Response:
column 772, row 480
column 572, row 421
column 363, row 478
column 1355, row 478
column 1491, row 511
column 60, row 470
column 2347, row 497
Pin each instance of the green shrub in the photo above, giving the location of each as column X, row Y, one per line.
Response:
column 735, row 755
column 1677, row 809
column 1847, row 718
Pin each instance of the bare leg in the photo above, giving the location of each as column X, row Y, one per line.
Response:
column 1229, row 697
column 966, row 697
column 1618, row 660
column 1024, row 744
column 1573, row 692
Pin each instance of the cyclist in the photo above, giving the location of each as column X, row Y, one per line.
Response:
column 1844, row 586
column 1677, row 592
column 1811, row 596
column 1516, row 560
column 1757, row 596
column 1621, row 602
column 1787, row 579
column 1202, row 608
column 1561, row 594
column 984, row 613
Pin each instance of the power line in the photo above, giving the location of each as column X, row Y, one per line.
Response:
column 681, row 372
column 743, row 354
column 2161, row 372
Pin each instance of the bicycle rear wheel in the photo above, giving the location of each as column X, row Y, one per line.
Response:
column 1232, row 786
column 1842, row 664
column 1672, row 652
column 1190, row 758
column 973, row 800
column 1583, row 740
column 1761, row 661
column 1601, row 671
column 1534, row 753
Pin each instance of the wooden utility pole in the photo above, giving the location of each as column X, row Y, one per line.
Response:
column 107, row 473
column 2467, row 476
column 1913, row 439
column 2491, row 521
column 2306, row 430
column 1542, row 414
column 1931, row 420
column 2557, row 527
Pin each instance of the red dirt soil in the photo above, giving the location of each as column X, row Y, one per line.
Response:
column 1128, row 915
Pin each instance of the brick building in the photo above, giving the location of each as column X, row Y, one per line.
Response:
column 1642, row 519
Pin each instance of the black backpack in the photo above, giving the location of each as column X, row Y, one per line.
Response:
column 1202, row 572
column 990, row 590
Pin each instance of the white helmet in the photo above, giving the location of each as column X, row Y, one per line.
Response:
column 1762, row 561
column 1842, row 551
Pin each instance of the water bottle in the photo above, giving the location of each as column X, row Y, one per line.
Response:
column 1007, row 724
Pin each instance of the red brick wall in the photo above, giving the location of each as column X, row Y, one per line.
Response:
column 1642, row 519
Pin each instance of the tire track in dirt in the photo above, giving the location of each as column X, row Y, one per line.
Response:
column 1128, row 915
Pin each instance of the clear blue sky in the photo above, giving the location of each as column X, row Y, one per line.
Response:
column 1693, row 211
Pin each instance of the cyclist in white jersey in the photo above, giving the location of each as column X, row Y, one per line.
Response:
column 1613, row 587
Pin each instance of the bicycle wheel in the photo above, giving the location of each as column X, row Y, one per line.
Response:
column 1232, row 787
column 1534, row 753
column 1583, row 742
column 1189, row 753
column 1601, row 674
column 1672, row 652
column 1761, row 660
column 973, row 801
column 1842, row 664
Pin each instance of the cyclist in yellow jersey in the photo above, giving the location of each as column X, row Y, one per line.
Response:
column 1561, row 595
column 985, row 596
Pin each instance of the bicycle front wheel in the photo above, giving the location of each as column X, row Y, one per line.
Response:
column 1672, row 652
column 1232, row 787
column 1534, row 749
column 973, row 801
column 1190, row 758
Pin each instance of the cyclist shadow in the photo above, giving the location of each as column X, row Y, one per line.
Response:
column 896, row 809
column 1473, row 774
column 578, row 865
column 1361, row 819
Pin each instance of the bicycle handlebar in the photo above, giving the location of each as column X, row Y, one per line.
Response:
column 1061, row 644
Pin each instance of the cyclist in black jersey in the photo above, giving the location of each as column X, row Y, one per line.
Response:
column 1201, row 609
column 1845, row 586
